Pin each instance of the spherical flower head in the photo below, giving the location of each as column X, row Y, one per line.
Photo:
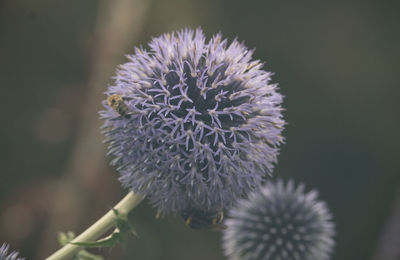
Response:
column 281, row 222
column 192, row 124
column 4, row 255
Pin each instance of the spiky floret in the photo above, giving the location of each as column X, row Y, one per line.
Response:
column 281, row 222
column 4, row 255
column 204, row 124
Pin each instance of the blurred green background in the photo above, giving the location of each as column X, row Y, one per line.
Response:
column 336, row 62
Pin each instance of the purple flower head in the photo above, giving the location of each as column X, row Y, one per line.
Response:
column 192, row 124
column 4, row 255
column 280, row 222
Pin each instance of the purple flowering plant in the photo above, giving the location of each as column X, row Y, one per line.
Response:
column 204, row 126
column 195, row 127
column 6, row 255
column 279, row 222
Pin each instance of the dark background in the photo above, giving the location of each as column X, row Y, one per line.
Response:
column 336, row 62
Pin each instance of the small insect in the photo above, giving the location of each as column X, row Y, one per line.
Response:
column 117, row 103
column 198, row 219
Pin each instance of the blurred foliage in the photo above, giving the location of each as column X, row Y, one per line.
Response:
column 336, row 62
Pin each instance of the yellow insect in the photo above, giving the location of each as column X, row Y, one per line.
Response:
column 117, row 103
column 198, row 219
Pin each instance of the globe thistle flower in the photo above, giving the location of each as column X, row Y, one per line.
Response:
column 280, row 223
column 192, row 124
column 4, row 255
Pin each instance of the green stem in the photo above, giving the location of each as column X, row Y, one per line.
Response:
column 99, row 228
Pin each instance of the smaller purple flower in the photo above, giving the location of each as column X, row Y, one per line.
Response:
column 4, row 255
column 280, row 222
